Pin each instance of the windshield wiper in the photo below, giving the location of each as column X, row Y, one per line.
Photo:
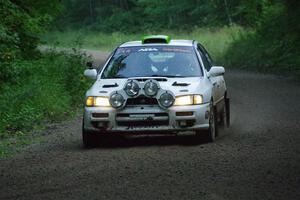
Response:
column 119, row 76
column 167, row 76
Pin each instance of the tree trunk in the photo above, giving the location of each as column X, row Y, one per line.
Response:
column 227, row 12
column 91, row 11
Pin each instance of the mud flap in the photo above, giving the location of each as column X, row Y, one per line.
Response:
column 227, row 109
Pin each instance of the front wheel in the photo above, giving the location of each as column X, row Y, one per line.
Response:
column 89, row 139
column 225, row 114
column 227, row 111
column 210, row 134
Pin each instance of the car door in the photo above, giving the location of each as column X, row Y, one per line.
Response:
column 220, row 79
column 207, row 62
column 219, row 82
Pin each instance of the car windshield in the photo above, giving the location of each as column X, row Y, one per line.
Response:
column 153, row 61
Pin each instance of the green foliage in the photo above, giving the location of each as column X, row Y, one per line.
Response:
column 148, row 15
column 272, row 41
column 216, row 40
column 21, row 23
column 48, row 89
column 140, row 15
column 34, row 87
column 274, row 45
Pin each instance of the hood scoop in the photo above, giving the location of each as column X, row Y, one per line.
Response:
column 180, row 84
column 110, row 85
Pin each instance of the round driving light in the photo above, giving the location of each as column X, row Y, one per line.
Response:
column 131, row 88
column 116, row 100
column 166, row 100
column 151, row 88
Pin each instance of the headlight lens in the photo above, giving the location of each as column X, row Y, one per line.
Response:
column 198, row 99
column 97, row 101
column 131, row 88
column 89, row 101
column 116, row 100
column 166, row 100
column 188, row 100
column 151, row 88
column 101, row 101
column 184, row 100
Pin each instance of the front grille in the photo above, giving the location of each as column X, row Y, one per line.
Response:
column 142, row 119
column 162, row 114
column 143, row 123
column 141, row 100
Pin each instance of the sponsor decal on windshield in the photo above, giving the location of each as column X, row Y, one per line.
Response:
column 148, row 49
column 175, row 49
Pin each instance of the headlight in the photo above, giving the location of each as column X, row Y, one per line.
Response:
column 151, row 88
column 131, row 88
column 166, row 100
column 188, row 100
column 116, row 100
column 198, row 99
column 97, row 101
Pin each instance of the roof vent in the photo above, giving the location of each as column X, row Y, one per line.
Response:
column 150, row 39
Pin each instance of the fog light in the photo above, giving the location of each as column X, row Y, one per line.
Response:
column 151, row 88
column 131, row 88
column 166, row 100
column 116, row 100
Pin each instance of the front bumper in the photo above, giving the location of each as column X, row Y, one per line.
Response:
column 140, row 119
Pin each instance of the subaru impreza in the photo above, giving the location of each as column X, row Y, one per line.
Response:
column 156, row 85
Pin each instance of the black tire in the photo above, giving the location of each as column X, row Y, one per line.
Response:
column 222, row 117
column 89, row 139
column 210, row 134
column 227, row 111
column 225, row 115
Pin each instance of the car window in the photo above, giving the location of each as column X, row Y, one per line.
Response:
column 205, row 59
column 206, row 54
column 147, row 61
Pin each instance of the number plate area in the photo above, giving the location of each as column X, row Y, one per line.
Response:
column 142, row 116
column 140, row 120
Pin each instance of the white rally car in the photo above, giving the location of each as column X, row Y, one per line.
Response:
column 156, row 85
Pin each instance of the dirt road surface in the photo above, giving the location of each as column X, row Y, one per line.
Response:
column 258, row 157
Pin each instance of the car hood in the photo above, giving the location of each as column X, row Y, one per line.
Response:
column 178, row 86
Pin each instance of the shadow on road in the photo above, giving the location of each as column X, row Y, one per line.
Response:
column 136, row 141
column 145, row 140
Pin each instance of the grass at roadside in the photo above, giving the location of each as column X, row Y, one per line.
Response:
column 232, row 47
column 216, row 40
column 15, row 143
column 37, row 92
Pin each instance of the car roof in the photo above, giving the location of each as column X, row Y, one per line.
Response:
column 171, row 43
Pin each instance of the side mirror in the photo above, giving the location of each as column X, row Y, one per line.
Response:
column 216, row 71
column 89, row 64
column 91, row 73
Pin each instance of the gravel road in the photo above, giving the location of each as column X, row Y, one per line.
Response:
column 258, row 157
